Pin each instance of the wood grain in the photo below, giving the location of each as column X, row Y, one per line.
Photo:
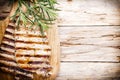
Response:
column 89, row 71
column 55, row 45
column 3, row 25
column 89, row 12
column 95, row 43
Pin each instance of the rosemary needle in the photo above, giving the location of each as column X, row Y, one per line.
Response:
column 41, row 11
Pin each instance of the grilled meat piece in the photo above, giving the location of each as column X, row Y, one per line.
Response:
column 25, row 52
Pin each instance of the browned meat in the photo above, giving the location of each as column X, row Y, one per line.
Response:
column 25, row 52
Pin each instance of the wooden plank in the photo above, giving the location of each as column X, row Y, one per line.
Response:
column 89, row 12
column 3, row 25
column 89, row 71
column 55, row 53
column 95, row 43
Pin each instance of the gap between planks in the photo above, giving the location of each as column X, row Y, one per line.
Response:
column 97, row 44
column 90, row 62
column 88, row 26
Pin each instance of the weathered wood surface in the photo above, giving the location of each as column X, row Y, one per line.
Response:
column 89, row 12
column 90, row 53
column 2, row 28
column 55, row 52
column 90, row 39
column 89, row 71
column 95, row 43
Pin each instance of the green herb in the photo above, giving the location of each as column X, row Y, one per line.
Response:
column 38, row 12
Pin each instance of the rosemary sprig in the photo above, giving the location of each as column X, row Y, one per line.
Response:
column 38, row 12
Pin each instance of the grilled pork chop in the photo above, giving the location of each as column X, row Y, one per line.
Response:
column 25, row 52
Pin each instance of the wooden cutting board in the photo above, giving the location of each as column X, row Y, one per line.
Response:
column 54, row 43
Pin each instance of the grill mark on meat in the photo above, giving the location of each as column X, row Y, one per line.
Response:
column 22, row 77
column 7, row 56
column 8, row 33
column 7, row 66
column 42, row 65
column 11, row 24
column 1, row 56
column 20, row 55
column 32, row 62
column 8, row 39
column 24, row 48
column 22, row 70
column 8, row 63
column 8, row 45
column 15, row 68
column 6, row 52
column 37, row 62
column 11, row 51
column 11, row 27
column 12, row 70
column 31, row 42
column 12, row 73
column 7, row 70
column 30, row 35
column 7, row 59
column 25, row 74
column 33, row 69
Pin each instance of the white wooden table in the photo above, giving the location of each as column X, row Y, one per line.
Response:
column 90, row 39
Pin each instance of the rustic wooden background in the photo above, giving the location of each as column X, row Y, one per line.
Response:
column 90, row 39
column 89, row 33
